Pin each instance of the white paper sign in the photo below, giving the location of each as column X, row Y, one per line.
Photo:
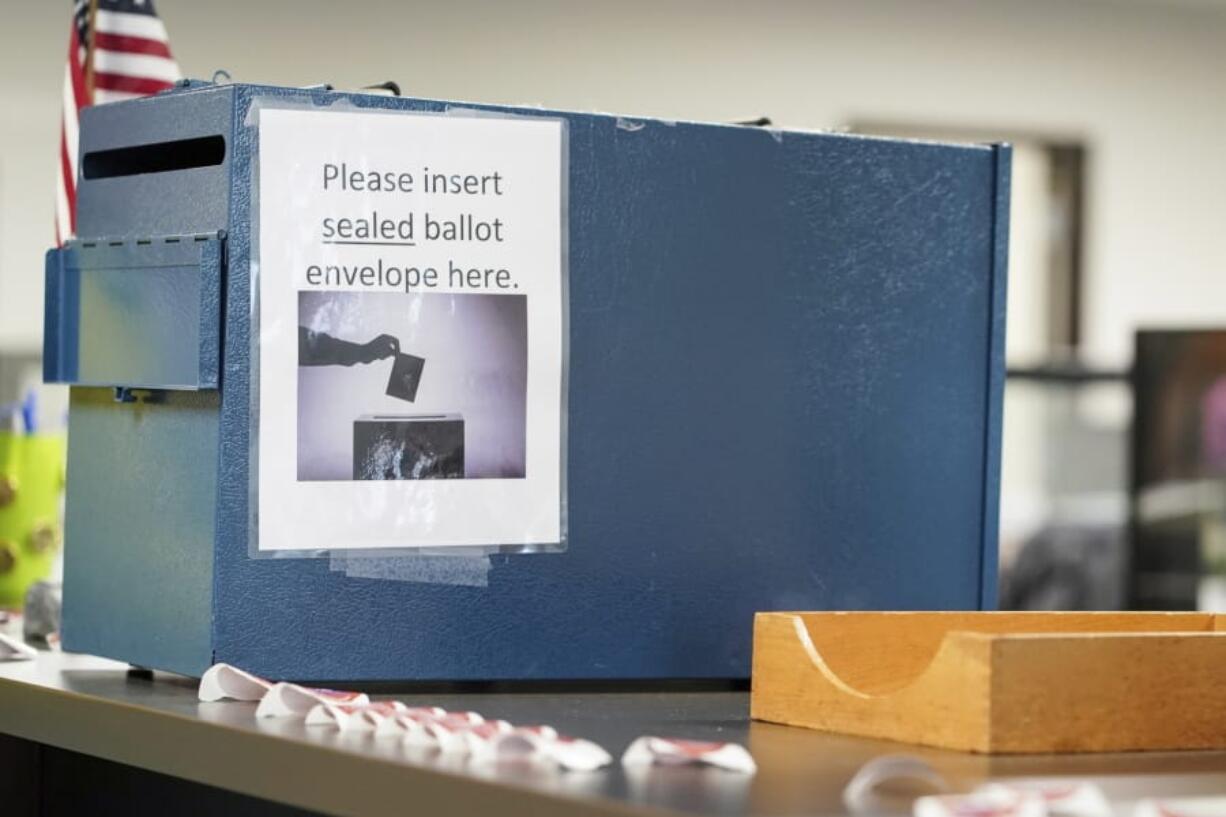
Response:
column 410, row 322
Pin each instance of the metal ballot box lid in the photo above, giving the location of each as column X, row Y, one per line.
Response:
column 782, row 372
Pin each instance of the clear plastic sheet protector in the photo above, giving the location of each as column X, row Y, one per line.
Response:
column 409, row 338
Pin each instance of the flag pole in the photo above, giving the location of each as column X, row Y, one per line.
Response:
column 89, row 51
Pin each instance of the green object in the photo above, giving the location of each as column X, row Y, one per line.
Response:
column 31, row 483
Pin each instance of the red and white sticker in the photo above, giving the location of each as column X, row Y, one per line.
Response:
column 222, row 682
column 479, row 738
column 448, row 731
column 543, row 745
column 12, row 649
column 290, row 700
column 649, row 750
column 1182, row 807
column 1063, row 798
column 413, row 723
column 355, row 717
column 994, row 803
column 524, row 743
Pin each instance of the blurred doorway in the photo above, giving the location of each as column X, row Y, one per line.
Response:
column 1064, row 485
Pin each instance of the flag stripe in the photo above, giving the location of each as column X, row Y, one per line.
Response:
column 130, row 6
column 69, row 123
column 135, row 65
column 70, row 192
column 135, row 85
column 131, row 58
column 76, row 71
column 131, row 45
column 67, row 191
column 63, row 217
column 130, row 25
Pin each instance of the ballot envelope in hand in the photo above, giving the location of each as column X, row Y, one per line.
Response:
column 406, row 374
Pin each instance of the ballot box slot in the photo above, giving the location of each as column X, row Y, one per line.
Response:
column 157, row 157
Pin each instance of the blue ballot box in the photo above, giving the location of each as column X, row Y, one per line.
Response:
column 704, row 370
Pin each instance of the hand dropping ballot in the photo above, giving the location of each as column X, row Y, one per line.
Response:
column 407, row 238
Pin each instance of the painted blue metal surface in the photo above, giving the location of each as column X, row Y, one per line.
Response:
column 786, row 369
column 140, row 527
column 140, row 314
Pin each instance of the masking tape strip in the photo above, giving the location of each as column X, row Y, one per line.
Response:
column 465, row 571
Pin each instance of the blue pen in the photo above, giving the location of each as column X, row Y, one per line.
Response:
column 29, row 412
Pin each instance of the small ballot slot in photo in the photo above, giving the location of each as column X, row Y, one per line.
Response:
column 408, row 446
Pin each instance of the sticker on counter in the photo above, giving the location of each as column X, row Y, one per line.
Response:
column 411, row 330
column 648, row 751
column 286, row 700
column 222, row 682
column 13, row 650
column 1181, row 807
column 995, row 803
column 378, row 717
column 1063, row 798
column 543, row 744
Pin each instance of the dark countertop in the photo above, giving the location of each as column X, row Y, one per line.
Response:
column 95, row 706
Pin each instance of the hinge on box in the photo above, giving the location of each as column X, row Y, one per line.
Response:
column 145, row 241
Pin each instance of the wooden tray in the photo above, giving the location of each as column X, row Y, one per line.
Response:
column 997, row 682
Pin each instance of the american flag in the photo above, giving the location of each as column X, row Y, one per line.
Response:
column 130, row 58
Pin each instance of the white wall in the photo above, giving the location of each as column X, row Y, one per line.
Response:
column 1143, row 82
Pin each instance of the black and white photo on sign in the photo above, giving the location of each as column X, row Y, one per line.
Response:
column 411, row 386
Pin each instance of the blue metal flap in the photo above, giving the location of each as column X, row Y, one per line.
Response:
column 139, row 313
